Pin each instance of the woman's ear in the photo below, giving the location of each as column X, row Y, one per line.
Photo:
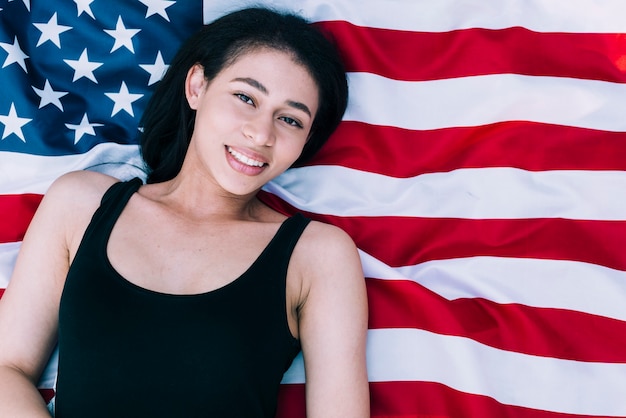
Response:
column 195, row 84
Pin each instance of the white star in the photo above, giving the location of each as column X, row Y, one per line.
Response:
column 49, row 96
column 83, row 67
column 15, row 54
column 123, row 37
column 84, row 128
column 157, row 7
column 156, row 70
column 26, row 3
column 13, row 124
column 83, row 6
column 123, row 100
column 50, row 31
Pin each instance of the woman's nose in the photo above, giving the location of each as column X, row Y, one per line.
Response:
column 260, row 130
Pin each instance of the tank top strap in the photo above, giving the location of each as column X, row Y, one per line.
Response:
column 278, row 252
column 115, row 199
column 289, row 233
column 111, row 206
column 121, row 192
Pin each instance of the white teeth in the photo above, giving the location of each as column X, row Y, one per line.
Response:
column 245, row 160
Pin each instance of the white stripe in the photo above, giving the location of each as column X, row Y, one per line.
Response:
column 8, row 255
column 480, row 100
column 49, row 376
column 445, row 15
column 511, row 378
column 559, row 284
column 495, row 193
column 26, row 173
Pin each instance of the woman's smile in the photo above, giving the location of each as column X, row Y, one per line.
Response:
column 245, row 164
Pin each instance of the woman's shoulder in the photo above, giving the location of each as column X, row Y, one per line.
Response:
column 79, row 190
column 82, row 182
column 321, row 235
column 74, row 196
column 324, row 248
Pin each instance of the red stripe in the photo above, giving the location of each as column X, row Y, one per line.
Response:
column 17, row 212
column 291, row 401
column 429, row 399
column 398, row 152
column 47, row 394
column 405, row 241
column 417, row 56
column 420, row 400
column 555, row 333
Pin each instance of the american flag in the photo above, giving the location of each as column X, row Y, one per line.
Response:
column 480, row 168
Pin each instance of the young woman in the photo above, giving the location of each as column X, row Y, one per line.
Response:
column 187, row 296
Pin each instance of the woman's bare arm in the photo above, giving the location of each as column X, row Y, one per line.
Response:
column 30, row 305
column 333, row 326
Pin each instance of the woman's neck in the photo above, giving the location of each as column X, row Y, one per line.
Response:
column 199, row 200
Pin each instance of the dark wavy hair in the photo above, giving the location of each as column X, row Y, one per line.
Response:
column 168, row 121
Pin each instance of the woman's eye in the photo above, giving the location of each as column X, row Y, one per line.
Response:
column 244, row 98
column 291, row 121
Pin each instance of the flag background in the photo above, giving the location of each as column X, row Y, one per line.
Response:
column 480, row 168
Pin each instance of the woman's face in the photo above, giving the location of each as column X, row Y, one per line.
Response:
column 252, row 120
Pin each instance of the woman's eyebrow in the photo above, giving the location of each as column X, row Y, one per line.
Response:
column 300, row 106
column 257, row 85
column 252, row 82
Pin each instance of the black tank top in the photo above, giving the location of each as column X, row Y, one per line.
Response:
column 126, row 351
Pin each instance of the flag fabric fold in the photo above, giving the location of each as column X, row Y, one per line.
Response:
column 480, row 169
